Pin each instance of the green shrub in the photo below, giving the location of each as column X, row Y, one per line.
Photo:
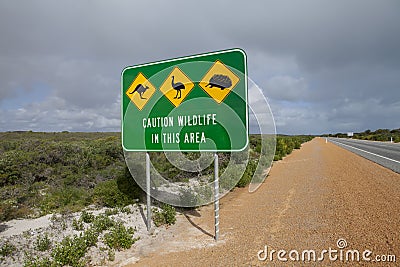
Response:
column 126, row 210
column 286, row 144
column 110, row 212
column 65, row 199
column 167, row 215
column 108, row 194
column 70, row 164
column 77, row 225
column 102, row 223
column 7, row 249
column 204, row 194
column 111, row 255
column 8, row 209
column 91, row 237
column 43, row 243
column 70, row 251
column 248, row 174
column 30, row 261
column 119, row 237
column 158, row 217
column 87, row 217
column 127, row 185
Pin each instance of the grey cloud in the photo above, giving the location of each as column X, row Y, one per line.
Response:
column 287, row 88
column 322, row 34
column 317, row 61
column 55, row 115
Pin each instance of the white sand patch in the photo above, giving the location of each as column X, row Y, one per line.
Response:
column 17, row 227
column 23, row 234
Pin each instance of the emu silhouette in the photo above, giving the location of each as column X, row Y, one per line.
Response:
column 178, row 87
column 140, row 89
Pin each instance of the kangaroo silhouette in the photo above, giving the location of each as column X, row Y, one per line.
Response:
column 141, row 90
column 178, row 87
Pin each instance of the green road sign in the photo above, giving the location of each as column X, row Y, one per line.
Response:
column 193, row 103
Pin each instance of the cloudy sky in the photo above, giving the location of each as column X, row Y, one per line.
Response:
column 325, row 66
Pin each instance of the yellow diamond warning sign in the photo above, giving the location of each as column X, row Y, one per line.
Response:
column 219, row 81
column 140, row 91
column 177, row 86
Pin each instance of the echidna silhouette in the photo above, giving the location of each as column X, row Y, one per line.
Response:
column 220, row 81
column 141, row 90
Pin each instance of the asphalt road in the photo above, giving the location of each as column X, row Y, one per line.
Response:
column 385, row 154
column 313, row 199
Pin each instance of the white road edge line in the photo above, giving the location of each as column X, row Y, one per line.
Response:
column 366, row 151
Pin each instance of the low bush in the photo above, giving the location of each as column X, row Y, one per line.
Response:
column 167, row 215
column 7, row 249
column 286, row 144
column 70, row 251
column 248, row 174
column 91, row 236
column 77, row 225
column 108, row 194
column 43, row 243
column 87, row 217
column 119, row 237
column 111, row 254
column 31, row 261
column 102, row 223
column 65, row 199
column 110, row 212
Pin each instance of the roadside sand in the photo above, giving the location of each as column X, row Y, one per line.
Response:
column 16, row 227
column 24, row 233
column 311, row 199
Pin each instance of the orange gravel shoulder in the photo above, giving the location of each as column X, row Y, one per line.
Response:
column 310, row 200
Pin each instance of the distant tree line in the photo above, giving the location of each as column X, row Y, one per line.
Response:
column 383, row 135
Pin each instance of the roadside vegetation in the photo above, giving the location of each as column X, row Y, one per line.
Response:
column 383, row 135
column 101, row 235
column 65, row 173
column 286, row 144
column 42, row 173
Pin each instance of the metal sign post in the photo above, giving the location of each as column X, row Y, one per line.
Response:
column 216, row 197
column 190, row 104
column 148, row 191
